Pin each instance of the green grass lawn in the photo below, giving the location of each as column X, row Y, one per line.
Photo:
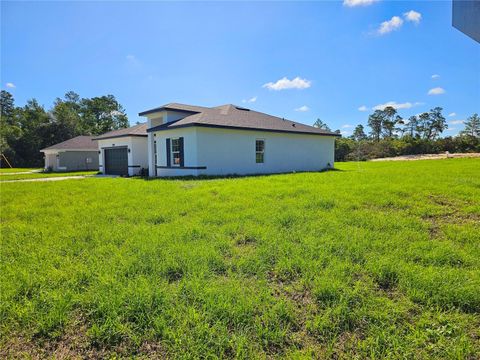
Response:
column 376, row 260
column 13, row 170
column 40, row 175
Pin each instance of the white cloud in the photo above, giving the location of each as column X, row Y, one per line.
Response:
column 394, row 23
column 133, row 60
column 413, row 16
column 345, row 132
column 353, row 3
column 435, row 76
column 452, row 114
column 363, row 108
column 395, row 105
column 451, row 129
column 456, row 122
column 285, row 83
column 251, row 100
column 346, row 126
column 302, row 108
column 10, row 85
column 436, row 91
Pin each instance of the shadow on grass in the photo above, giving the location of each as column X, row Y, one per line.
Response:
column 232, row 176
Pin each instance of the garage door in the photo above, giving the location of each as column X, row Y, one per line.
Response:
column 116, row 161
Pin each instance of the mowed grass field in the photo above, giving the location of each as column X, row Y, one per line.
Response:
column 375, row 260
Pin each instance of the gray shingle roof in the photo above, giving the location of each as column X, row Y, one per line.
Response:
column 175, row 106
column 137, row 130
column 231, row 116
column 77, row 143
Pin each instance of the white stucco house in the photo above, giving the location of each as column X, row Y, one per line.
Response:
column 78, row 153
column 124, row 151
column 185, row 140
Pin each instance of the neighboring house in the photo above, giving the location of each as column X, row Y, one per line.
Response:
column 79, row 153
column 124, row 151
column 228, row 139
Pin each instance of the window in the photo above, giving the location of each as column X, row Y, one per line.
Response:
column 260, row 151
column 155, row 152
column 175, row 152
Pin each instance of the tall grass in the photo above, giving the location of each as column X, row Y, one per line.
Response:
column 377, row 260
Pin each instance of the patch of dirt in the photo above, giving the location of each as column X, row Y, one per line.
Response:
column 450, row 215
column 75, row 344
column 429, row 157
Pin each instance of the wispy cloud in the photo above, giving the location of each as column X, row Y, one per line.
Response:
column 397, row 106
column 345, row 132
column 347, row 126
column 363, row 108
column 10, row 85
column 413, row 16
column 251, row 100
column 452, row 114
column 435, row 76
column 353, row 3
column 302, row 108
column 456, row 122
column 394, row 23
column 285, row 83
column 133, row 60
column 436, row 91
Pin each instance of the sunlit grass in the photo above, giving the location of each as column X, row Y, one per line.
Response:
column 377, row 260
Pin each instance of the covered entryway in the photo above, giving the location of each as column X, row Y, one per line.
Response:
column 116, row 161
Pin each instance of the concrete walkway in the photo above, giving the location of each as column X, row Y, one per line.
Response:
column 59, row 178
column 22, row 172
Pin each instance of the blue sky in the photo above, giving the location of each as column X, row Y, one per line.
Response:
column 334, row 59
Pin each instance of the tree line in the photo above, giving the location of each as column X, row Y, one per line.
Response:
column 25, row 130
column 391, row 135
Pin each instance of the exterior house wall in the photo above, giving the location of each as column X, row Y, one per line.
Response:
column 137, row 156
column 190, row 151
column 156, row 119
column 232, row 151
column 71, row 160
column 78, row 160
column 51, row 160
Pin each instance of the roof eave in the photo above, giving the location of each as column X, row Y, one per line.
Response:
column 120, row 136
column 164, row 108
column 163, row 128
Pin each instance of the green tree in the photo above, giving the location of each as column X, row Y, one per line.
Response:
column 359, row 133
column 102, row 114
column 410, row 127
column 36, row 134
column 438, row 123
column 321, row 125
column 390, row 121
column 472, row 126
column 431, row 124
column 65, row 116
column 375, row 121
column 423, row 125
column 9, row 129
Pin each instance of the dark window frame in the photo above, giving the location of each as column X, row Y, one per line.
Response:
column 260, row 151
